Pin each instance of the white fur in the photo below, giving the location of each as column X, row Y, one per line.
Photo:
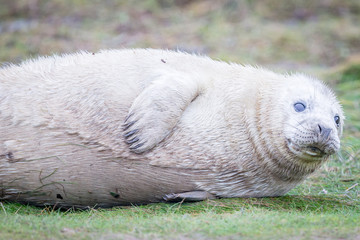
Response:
column 205, row 125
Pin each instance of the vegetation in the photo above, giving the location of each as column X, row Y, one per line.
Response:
column 317, row 37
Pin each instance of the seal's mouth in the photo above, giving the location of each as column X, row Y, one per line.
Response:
column 308, row 152
column 314, row 151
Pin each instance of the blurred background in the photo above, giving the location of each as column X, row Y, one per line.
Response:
column 320, row 37
column 283, row 34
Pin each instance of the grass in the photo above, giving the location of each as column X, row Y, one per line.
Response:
column 268, row 218
column 312, row 36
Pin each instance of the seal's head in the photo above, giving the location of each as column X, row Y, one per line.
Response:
column 314, row 120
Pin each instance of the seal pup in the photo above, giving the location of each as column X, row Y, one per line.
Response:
column 137, row 126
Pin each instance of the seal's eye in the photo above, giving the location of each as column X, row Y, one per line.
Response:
column 337, row 120
column 299, row 107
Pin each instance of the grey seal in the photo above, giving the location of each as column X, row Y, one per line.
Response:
column 137, row 126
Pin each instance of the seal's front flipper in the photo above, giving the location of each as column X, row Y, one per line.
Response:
column 188, row 196
column 156, row 111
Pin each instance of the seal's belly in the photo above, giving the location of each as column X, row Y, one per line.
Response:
column 56, row 168
column 63, row 182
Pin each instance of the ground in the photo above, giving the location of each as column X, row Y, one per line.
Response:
column 320, row 38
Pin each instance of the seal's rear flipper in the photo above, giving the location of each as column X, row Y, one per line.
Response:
column 158, row 108
column 188, row 196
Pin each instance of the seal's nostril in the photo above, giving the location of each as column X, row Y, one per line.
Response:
column 320, row 128
column 323, row 132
